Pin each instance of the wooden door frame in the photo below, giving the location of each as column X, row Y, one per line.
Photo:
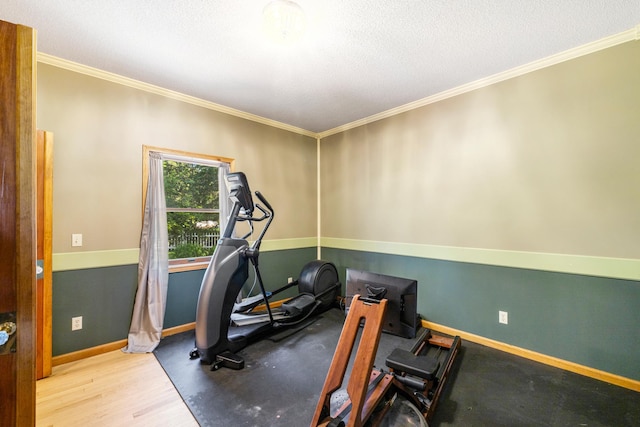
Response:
column 44, row 204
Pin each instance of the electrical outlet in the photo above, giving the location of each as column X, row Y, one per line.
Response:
column 503, row 317
column 290, row 280
column 76, row 240
column 76, row 323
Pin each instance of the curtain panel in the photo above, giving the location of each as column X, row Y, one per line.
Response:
column 149, row 307
column 153, row 267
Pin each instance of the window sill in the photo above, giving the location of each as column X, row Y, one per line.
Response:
column 189, row 264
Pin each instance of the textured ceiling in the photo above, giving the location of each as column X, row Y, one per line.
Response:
column 358, row 58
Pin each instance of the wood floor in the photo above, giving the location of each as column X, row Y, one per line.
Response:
column 111, row 389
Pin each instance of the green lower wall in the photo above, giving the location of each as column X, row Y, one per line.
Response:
column 588, row 320
column 104, row 298
column 182, row 298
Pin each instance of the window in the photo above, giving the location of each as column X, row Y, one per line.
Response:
column 195, row 203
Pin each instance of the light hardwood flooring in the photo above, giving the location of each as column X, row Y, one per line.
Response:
column 111, row 389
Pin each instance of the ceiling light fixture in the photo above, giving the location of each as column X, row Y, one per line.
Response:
column 284, row 21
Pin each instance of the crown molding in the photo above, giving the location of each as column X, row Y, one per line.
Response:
column 616, row 39
column 45, row 58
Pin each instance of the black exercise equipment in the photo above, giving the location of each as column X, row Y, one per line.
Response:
column 417, row 375
column 225, row 324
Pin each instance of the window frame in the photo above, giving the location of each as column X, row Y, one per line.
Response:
column 183, row 264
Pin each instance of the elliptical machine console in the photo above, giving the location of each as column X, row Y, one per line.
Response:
column 225, row 323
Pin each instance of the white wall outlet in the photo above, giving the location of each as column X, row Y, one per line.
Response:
column 290, row 280
column 76, row 323
column 76, row 240
column 503, row 317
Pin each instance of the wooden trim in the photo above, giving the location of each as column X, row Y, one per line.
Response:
column 48, row 253
column 45, row 225
column 179, row 264
column 539, row 357
column 187, row 266
column 146, row 149
column 178, row 329
column 40, row 251
column 116, row 345
column 88, row 352
column 272, row 304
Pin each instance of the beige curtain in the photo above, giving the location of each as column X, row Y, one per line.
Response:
column 153, row 273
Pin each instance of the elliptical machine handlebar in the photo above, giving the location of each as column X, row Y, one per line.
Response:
column 243, row 207
column 266, row 215
column 263, row 200
column 251, row 219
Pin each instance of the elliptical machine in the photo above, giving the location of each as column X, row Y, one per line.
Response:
column 224, row 323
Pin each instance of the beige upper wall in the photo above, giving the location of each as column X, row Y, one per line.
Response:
column 99, row 129
column 545, row 162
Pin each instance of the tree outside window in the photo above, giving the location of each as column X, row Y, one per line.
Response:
column 193, row 208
